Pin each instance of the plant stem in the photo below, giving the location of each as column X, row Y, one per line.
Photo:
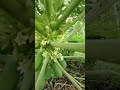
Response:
column 79, row 83
column 69, row 76
column 38, row 82
column 72, row 33
column 69, row 9
column 49, row 8
column 38, row 17
column 39, row 28
column 80, row 17
column 80, row 57
column 70, row 46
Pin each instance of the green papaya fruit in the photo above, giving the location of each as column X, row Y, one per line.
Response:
column 48, row 72
column 63, row 63
column 57, row 70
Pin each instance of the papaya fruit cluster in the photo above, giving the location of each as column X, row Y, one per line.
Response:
column 52, row 70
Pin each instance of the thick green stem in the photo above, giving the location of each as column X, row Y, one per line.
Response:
column 38, row 17
column 70, row 46
column 80, row 57
column 69, row 76
column 49, row 8
column 69, row 9
column 80, row 17
column 42, row 72
column 71, row 34
column 81, row 85
column 39, row 28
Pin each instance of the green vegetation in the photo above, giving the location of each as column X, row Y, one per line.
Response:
column 57, row 22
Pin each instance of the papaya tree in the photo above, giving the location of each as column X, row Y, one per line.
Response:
column 53, row 18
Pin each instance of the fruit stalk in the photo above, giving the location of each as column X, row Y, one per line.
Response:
column 67, row 12
column 41, row 75
column 69, row 76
